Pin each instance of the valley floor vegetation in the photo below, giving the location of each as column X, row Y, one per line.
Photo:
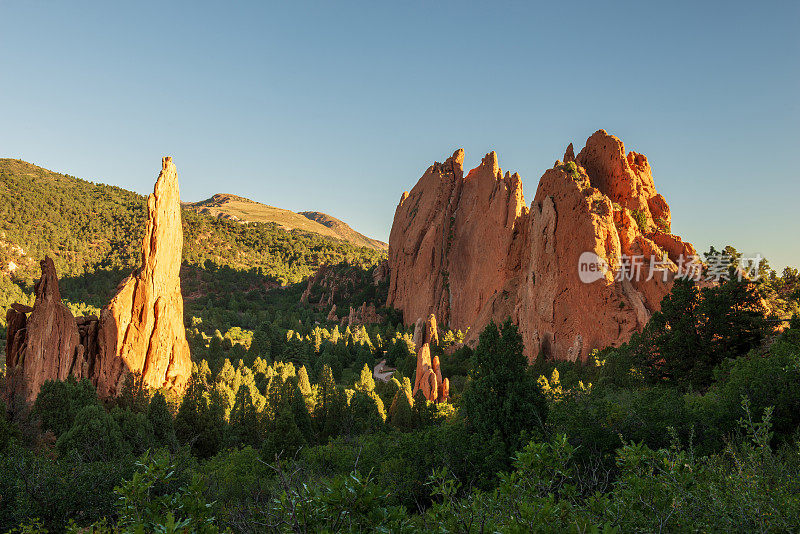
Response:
column 692, row 426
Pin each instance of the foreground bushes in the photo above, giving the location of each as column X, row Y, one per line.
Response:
column 748, row 487
column 267, row 449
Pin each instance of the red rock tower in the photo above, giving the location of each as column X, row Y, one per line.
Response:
column 468, row 249
column 140, row 331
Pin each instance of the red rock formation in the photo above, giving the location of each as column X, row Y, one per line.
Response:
column 140, row 331
column 332, row 314
column 343, row 280
column 16, row 323
column 380, row 272
column 45, row 345
column 365, row 314
column 352, row 318
column 431, row 331
column 320, row 277
column 369, row 314
column 469, row 250
column 428, row 378
column 419, row 334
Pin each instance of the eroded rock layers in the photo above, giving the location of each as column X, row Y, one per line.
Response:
column 467, row 249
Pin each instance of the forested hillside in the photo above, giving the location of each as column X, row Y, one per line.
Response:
column 93, row 232
column 240, row 209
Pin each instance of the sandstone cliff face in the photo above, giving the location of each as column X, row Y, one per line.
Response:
column 468, row 249
column 140, row 331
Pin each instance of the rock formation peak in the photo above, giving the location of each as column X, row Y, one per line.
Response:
column 468, row 249
column 43, row 345
column 490, row 163
column 142, row 328
column 428, row 376
column 141, row 331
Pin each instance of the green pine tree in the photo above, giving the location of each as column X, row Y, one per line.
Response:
column 160, row 416
column 503, row 396
column 365, row 382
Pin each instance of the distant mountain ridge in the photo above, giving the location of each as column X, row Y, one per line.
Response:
column 236, row 208
column 92, row 230
column 343, row 229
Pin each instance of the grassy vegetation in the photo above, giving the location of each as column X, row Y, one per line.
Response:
column 233, row 207
column 641, row 220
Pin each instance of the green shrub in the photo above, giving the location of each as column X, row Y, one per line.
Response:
column 641, row 220
column 95, row 436
column 142, row 508
column 59, row 402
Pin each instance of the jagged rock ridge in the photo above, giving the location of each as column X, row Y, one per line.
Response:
column 140, row 331
column 468, row 249
column 342, row 281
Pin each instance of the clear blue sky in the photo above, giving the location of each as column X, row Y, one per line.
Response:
column 339, row 107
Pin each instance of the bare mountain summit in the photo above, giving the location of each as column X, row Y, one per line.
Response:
column 236, row 208
column 344, row 230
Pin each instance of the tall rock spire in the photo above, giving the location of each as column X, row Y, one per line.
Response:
column 142, row 329
column 45, row 345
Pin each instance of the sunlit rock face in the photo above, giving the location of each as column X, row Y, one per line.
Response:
column 42, row 342
column 428, row 377
column 468, row 249
column 140, row 331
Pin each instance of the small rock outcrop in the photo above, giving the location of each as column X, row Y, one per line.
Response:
column 332, row 314
column 44, row 345
column 344, row 281
column 140, row 331
column 380, row 273
column 364, row 314
column 428, row 378
column 468, row 249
